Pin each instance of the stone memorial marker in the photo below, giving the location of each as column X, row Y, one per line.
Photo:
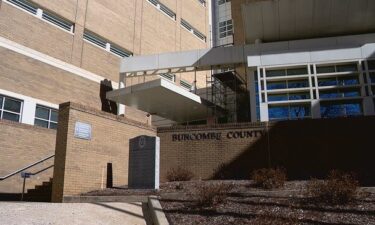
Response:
column 144, row 156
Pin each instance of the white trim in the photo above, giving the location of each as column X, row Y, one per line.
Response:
column 15, row 47
column 28, row 107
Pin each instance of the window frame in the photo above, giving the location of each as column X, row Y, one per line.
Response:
column 49, row 121
column 2, row 110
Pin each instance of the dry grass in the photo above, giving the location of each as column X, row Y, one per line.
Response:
column 338, row 188
column 179, row 174
column 209, row 195
column 269, row 178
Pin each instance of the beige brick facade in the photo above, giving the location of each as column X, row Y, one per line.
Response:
column 81, row 165
column 22, row 145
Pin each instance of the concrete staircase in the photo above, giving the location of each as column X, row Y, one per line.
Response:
column 41, row 193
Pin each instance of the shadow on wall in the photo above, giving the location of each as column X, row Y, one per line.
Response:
column 107, row 105
column 310, row 148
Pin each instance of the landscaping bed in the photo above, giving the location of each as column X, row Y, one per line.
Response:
column 246, row 204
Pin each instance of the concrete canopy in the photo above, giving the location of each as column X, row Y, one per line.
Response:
column 163, row 98
column 279, row 20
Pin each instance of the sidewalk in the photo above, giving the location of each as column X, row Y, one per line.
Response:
column 20, row 213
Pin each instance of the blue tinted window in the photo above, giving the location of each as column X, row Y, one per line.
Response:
column 329, row 94
column 327, row 82
column 278, row 112
column 299, row 96
column 348, row 81
column 353, row 109
column 276, row 85
column 299, row 111
column 298, row 83
column 340, row 109
column 330, row 111
column 273, row 98
column 352, row 93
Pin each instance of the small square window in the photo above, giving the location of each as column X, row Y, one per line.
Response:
column 46, row 117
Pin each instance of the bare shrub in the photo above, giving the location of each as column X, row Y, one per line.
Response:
column 338, row 188
column 269, row 178
column 221, row 172
column 179, row 174
column 209, row 195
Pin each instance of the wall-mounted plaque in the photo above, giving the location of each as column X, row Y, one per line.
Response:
column 82, row 131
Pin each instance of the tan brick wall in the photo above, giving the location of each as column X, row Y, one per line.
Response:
column 22, row 145
column 202, row 157
column 305, row 148
column 34, row 33
column 81, row 164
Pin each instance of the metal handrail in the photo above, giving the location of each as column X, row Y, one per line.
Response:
column 25, row 168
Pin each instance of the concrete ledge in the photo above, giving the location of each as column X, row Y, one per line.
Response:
column 156, row 211
column 91, row 199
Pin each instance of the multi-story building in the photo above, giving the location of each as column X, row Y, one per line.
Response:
column 53, row 52
column 58, row 51
column 297, row 59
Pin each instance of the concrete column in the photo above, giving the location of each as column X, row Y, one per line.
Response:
column 264, row 112
column 368, row 106
column 121, row 84
column 315, row 109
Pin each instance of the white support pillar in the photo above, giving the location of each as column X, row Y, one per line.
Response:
column 315, row 109
column 121, row 84
column 28, row 112
column 264, row 117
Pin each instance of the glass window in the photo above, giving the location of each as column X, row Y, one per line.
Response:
column 347, row 68
column 372, row 77
column 271, row 85
column 277, row 97
column 225, row 28
column 10, row 109
column 327, row 82
column 289, row 112
column 298, row 83
column 338, row 109
column 352, row 80
column 300, row 111
column 297, row 71
column 278, row 112
column 275, row 73
column 371, row 65
column 299, row 96
column 325, row 69
column 46, row 117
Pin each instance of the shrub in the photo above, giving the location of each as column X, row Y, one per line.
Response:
column 179, row 174
column 212, row 194
column 269, row 178
column 221, row 172
column 338, row 188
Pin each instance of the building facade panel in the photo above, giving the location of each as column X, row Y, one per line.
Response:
column 66, row 10
column 30, row 31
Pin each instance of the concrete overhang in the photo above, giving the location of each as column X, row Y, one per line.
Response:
column 279, row 20
column 197, row 60
column 163, row 98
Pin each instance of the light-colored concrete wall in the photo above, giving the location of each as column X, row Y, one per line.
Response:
column 81, row 165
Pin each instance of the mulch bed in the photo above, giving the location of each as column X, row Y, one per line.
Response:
column 246, row 204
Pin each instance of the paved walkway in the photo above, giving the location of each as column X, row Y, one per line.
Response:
column 71, row 213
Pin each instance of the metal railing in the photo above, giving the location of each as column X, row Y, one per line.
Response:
column 26, row 167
